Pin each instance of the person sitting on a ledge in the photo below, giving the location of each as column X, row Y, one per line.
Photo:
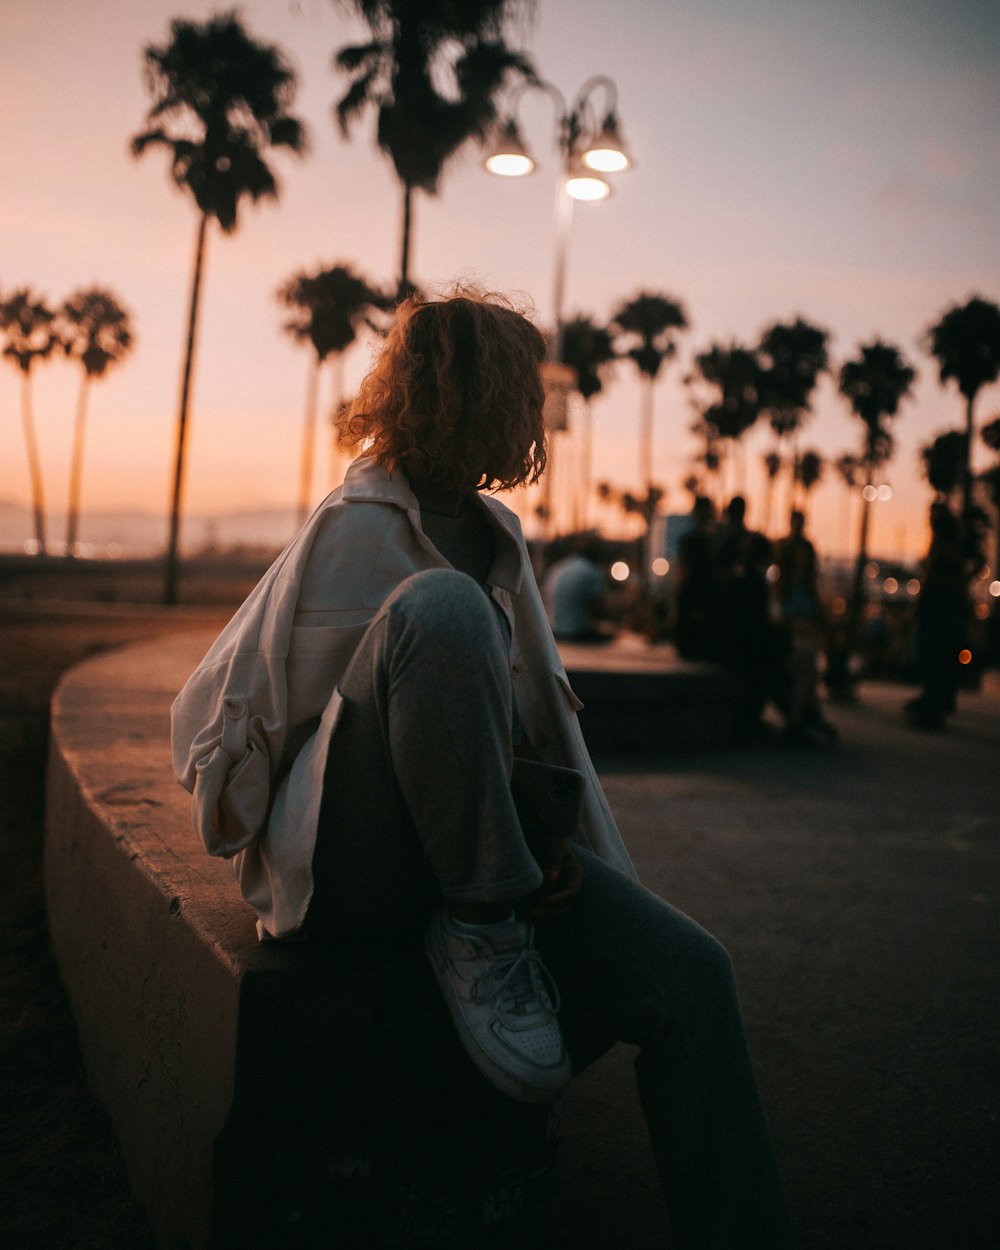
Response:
column 573, row 591
column 350, row 741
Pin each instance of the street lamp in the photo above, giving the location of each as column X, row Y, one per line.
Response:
column 590, row 145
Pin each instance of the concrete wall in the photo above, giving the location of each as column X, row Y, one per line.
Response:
column 152, row 942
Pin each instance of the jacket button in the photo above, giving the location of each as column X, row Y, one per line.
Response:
column 235, row 708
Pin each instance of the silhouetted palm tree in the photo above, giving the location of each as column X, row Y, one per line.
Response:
column 772, row 467
column 874, row 384
column 588, row 349
column 794, row 354
column 96, row 331
column 415, row 44
column 809, row 471
column 327, row 308
column 944, row 461
column 220, row 101
column 649, row 324
column 27, row 324
column 735, row 374
column 991, row 479
column 966, row 342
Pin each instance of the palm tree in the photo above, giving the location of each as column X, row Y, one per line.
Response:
column 588, row 349
column 874, row 384
column 809, row 470
column 736, row 376
column 399, row 73
column 944, row 460
column 327, row 309
column 771, row 461
column 649, row 324
column 27, row 323
column 966, row 342
column 220, row 101
column 96, row 331
column 794, row 354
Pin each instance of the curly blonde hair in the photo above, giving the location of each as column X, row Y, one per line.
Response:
column 455, row 397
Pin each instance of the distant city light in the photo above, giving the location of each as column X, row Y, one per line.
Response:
column 982, row 611
column 913, row 586
column 32, row 547
column 871, row 569
column 890, row 585
column 995, row 589
column 660, row 566
column 620, row 571
column 773, row 573
column 984, row 572
column 839, row 605
column 965, row 656
column 869, row 494
column 885, row 491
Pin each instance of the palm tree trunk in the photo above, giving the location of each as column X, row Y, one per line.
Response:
column 858, row 587
column 34, row 462
column 170, row 583
column 646, row 437
column 586, row 461
column 768, row 504
column 76, row 467
column 308, row 441
column 967, row 473
column 404, row 254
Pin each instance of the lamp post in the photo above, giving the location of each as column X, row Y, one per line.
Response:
column 590, row 145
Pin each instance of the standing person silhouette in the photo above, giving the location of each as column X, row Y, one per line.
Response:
column 745, row 637
column 350, row 741
column 801, row 614
column 942, row 621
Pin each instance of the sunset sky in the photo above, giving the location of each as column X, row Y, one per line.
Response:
column 835, row 159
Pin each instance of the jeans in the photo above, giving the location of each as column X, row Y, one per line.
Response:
column 417, row 807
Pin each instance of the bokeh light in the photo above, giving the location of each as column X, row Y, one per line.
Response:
column 620, row 571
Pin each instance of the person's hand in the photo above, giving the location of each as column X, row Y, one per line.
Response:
column 563, row 876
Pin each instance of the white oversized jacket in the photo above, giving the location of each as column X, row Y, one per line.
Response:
column 252, row 727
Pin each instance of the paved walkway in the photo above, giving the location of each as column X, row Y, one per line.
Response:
column 859, row 894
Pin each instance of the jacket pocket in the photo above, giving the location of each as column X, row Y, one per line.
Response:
column 228, row 799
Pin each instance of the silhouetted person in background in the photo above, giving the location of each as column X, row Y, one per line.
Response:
column 573, row 591
column 942, row 621
column 694, row 632
column 744, row 634
column 801, row 617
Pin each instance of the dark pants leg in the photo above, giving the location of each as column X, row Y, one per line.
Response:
column 417, row 803
column 632, row 968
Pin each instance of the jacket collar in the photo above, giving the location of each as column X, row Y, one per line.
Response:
column 367, row 480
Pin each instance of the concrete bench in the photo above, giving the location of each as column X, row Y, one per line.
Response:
column 642, row 696
column 259, row 1098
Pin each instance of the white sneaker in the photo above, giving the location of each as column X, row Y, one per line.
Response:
column 503, row 1002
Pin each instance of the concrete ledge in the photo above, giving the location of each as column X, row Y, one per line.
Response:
column 261, row 1099
column 641, row 695
column 151, row 941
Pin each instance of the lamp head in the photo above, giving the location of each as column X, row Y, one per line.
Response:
column 585, row 184
column 606, row 152
column 509, row 156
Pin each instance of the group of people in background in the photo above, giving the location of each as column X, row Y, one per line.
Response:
column 753, row 605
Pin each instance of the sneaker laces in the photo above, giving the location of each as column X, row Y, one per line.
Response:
column 522, row 985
